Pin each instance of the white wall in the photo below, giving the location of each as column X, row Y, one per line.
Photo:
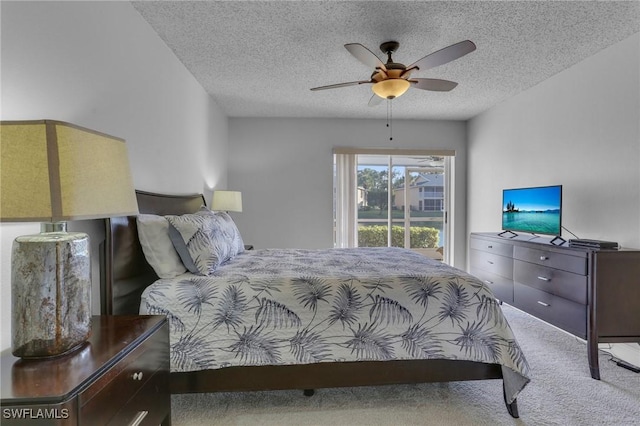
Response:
column 581, row 129
column 284, row 168
column 100, row 65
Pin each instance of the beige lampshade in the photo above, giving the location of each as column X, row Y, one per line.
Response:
column 391, row 88
column 228, row 201
column 53, row 171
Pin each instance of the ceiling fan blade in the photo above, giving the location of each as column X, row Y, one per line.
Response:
column 365, row 56
column 442, row 56
column 433, row 84
column 335, row 86
column 375, row 100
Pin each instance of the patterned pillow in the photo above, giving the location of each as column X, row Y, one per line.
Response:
column 232, row 231
column 201, row 240
column 153, row 233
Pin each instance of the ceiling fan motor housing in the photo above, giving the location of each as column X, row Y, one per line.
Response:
column 392, row 81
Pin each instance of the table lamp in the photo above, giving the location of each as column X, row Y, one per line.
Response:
column 53, row 172
column 227, row 201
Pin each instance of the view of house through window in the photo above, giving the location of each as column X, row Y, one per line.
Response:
column 399, row 201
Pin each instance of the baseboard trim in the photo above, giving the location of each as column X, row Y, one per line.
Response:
column 627, row 352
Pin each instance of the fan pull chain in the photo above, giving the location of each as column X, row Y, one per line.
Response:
column 390, row 119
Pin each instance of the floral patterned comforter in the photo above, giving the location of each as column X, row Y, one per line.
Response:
column 287, row 306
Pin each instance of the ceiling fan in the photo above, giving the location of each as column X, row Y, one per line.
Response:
column 393, row 79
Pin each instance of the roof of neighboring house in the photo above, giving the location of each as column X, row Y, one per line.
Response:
column 426, row 179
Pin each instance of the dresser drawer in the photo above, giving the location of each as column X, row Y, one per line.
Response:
column 566, row 262
column 558, row 282
column 503, row 249
column 562, row 313
column 501, row 287
column 101, row 401
column 491, row 262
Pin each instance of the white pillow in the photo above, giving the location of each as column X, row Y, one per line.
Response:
column 153, row 232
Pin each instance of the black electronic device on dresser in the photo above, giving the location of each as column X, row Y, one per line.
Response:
column 591, row 293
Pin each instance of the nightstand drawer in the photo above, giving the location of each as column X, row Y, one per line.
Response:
column 491, row 262
column 566, row 262
column 100, row 402
column 560, row 283
column 562, row 313
column 149, row 405
column 501, row 287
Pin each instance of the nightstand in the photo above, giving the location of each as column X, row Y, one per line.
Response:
column 120, row 376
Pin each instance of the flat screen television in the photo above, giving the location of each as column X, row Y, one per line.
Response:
column 536, row 210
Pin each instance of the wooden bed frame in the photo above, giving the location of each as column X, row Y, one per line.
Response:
column 126, row 273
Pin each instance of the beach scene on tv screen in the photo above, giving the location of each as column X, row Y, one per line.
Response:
column 535, row 210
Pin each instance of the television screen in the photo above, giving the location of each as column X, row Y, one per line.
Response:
column 536, row 210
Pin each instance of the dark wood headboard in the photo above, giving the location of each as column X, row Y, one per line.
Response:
column 125, row 272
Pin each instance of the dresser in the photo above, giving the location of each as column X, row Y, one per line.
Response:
column 592, row 294
column 119, row 377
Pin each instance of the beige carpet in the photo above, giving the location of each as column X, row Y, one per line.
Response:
column 561, row 393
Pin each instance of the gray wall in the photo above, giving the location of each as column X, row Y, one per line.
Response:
column 284, row 169
column 581, row 129
column 100, row 65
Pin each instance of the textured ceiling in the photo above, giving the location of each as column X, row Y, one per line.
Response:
column 259, row 59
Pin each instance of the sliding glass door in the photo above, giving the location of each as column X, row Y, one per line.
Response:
column 400, row 201
column 425, row 211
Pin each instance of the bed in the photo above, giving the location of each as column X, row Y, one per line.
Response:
column 416, row 321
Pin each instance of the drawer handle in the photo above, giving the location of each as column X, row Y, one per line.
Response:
column 544, row 304
column 489, row 262
column 139, row 418
column 544, row 279
column 490, row 247
column 137, row 376
column 488, row 282
column 544, row 258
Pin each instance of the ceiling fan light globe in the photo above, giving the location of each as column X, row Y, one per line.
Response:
column 391, row 88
